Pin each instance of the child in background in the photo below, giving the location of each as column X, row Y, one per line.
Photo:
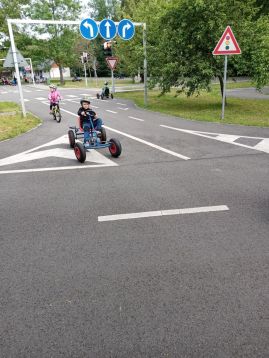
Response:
column 54, row 97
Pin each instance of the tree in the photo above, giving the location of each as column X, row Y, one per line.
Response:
column 59, row 40
column 191, row 32
column 10, row 9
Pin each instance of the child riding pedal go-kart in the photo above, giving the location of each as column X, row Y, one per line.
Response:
column 93, row 133
column 105, row 92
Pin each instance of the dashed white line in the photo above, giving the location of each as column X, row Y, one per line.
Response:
column 123, row 109
column 122, row 104
column 41, row 98
column 26, row 100
column 71, row 95
column 147, row 214
column 138, row 139
column 108, row 110
column 137, row 119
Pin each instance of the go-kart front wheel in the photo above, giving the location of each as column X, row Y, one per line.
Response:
column 71, row 137
column 97, row 95
column 80, row 152
column 112, row 96
column 115, row 147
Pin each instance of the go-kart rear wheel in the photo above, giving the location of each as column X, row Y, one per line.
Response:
column 103, row 135
column 112, row 96
column 115, row 147
column 97, row 95
column 80, row 152
column 71, row 137
column 102, row 96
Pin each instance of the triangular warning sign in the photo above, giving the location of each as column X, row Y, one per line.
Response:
column 9, row 61
column 227, row 44
column 112, row 62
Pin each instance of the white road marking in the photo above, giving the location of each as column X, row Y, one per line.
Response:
column 39, row 90
column 71, row 95
column 137, row 119
column 26, row 100
column 263, row 146
column 27, row 91
column 123, row 109
column 41, row 98
column 4, row 92
column 147, row 214
column 29, row 155
column 94, row 106
column 108, row 110
column 139, row 140
column 122, row 104
column 150, row 144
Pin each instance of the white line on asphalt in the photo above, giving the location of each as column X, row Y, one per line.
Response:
column 123, row 109
column 226, row 138
column 94, row 106
column 39, row 90
column 150, row 144
column 108, row 110
column 137, row 119
column 139, row 140
column 54, row 169
column 122, row 104
column 41, row 98
column 147, row 214
column 26, row 100
column 71, row 95
column 4, row 92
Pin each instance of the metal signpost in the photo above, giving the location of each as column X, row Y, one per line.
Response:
column 89, row 30
column 112, row 63
column 227, row 45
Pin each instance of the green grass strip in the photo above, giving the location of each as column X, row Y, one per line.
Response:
column 205, row 107
column 12, row 123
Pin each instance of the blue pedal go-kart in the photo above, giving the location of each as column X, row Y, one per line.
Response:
column 97, row 140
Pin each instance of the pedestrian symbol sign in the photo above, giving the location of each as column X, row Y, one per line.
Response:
column 227, row 44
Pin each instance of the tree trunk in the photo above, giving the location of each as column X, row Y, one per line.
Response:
column 61, row 75
column 222, row 88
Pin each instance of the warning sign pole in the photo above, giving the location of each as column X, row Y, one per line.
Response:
column 224, row 87
column 227, row 45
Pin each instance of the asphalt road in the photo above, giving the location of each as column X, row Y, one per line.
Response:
column 151, row 281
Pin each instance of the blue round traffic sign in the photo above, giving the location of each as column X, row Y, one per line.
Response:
column 126, row 29
column 107, row 29
column 88, row 29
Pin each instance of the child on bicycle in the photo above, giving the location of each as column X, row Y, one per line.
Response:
column 86, row 115
column 54, row 97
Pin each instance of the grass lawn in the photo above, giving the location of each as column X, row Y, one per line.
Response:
column 207, row 106
column 94, row 83
column 13, row 124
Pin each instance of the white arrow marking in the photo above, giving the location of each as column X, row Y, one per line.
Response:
column 125, row 28
column 93, row 156
column 107, row 25
column 89, row 26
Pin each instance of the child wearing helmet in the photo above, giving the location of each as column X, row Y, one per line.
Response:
column 54, row 97
column 86, row 114
column 105, row 90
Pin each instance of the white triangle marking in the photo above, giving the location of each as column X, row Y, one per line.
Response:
column 93, row 156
